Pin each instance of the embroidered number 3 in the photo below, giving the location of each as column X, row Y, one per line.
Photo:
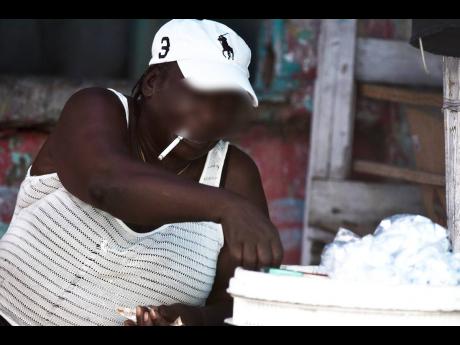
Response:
column 164, row 47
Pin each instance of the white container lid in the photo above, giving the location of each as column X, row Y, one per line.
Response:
column 321, row 291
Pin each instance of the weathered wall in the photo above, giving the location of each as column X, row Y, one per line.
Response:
column 29, row 107
column 17, row 150
column 382, row 131
column 278, row 140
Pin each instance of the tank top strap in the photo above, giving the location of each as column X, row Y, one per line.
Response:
column 212, row 171
column 123, row 101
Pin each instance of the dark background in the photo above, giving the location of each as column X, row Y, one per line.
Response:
column 87, row 48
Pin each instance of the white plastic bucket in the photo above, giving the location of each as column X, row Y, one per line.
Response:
column 267, row 299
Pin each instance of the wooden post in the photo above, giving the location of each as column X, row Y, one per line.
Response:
column 333, row 113
column 333, row 103
column 451, row 79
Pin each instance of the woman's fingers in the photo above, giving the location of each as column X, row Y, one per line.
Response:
column 278, row 253
column 236, row 254
column 249, row 256
column 160, row 320
column 139, row 316
column 129, row 323
column 264, row 254
column 148, row 321
column 163, row 315
column 143, row 316
column 156, row 317
column 147, row 316
column 167, row 312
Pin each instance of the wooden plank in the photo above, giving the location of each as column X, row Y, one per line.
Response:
column 344, row 102
column 395, row 62
column 328, row 48
column 400, row 95
column 427, row 133
column 452, row 137
column 332, row 123
column 332, row 69
column 386, row 170
column 359, row 206
column 318, row 234
column 319, row 138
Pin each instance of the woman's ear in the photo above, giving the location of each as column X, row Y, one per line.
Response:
column 151, row 81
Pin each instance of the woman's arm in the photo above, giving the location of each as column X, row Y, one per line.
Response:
column 90, row 147
column 242, row 177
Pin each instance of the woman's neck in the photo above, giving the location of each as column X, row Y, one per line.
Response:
column 153, row 137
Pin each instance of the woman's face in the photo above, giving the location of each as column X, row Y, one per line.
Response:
column 207, row 116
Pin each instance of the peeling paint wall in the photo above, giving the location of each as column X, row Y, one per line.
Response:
column 286, row 69
column 281, row 153
column 279, row 141
column 33, row 101
column 17, row 150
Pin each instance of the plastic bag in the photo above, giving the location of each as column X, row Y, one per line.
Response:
column 404, row 249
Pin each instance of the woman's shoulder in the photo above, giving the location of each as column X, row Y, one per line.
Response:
column 240, row 169
column 89, row 106
column 93, row 96
column 88, row 110
column 240, row 161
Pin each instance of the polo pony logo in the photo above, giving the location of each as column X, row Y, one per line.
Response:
column 225, row 47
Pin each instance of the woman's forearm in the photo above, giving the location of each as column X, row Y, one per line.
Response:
column 146, row 195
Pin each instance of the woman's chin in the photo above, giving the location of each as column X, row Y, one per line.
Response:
column 190, row 151
column 189, row 154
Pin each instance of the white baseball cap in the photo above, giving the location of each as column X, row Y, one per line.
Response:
column 210, row 55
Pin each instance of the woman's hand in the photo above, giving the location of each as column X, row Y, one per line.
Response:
column 165, row 315
column 252, row 239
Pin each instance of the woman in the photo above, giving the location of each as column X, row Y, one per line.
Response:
column 101, row 223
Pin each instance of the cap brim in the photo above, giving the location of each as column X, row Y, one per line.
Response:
column 210, row 75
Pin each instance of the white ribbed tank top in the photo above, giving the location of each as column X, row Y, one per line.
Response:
column 64, row 262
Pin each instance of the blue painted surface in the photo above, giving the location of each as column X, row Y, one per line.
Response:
column 3, row 228
column 287, row 51
column 287, row 214
column 287, row 210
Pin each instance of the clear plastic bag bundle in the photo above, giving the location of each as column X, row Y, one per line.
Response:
column 404, row 249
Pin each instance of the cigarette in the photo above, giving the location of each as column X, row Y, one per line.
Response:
column 173, row 144
column 128, row 313
column 170, row 147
